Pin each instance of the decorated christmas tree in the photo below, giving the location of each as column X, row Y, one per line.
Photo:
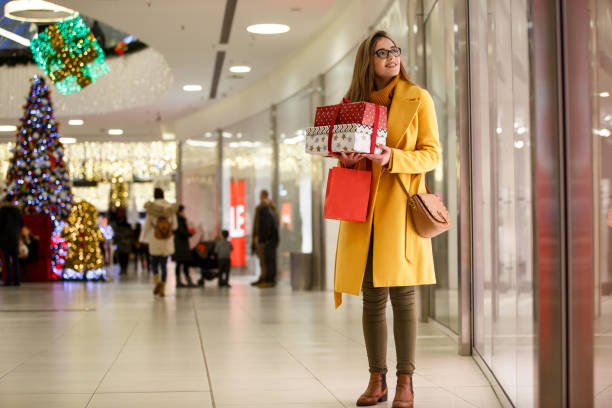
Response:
column 84, row 260
column 37, row 178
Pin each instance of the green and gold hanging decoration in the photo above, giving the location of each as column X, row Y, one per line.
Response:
column 69, row 54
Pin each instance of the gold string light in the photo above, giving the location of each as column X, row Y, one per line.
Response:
column 84, row 237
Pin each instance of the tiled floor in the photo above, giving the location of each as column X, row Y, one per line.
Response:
column 113, row 345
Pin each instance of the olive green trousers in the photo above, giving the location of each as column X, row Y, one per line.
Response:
column 405, row 323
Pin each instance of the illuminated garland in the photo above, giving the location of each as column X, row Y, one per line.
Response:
column 69, row 54
column 84, row 259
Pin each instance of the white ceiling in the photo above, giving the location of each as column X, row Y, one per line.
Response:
column 187, row 34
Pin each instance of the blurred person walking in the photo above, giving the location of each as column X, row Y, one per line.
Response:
column 265, row 217
column 223, row 250
column 157, row 232
column 11, row 222
column 124, row 238
column 385, row 256
column 182, row 253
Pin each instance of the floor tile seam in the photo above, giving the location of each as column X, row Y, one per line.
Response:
column 344, row 335
column 311, row 373
column 153, row 392
column 138, row 321
column 197, row 321
column 450, row 391
column 604, row 390
column 42, row 350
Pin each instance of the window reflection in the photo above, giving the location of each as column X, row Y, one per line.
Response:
column 502, row 188
column 601, row 25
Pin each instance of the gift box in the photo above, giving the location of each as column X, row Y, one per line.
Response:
column 352, row 137
column 362, row 113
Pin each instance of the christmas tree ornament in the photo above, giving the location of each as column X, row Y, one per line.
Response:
column 84, row 259
column 69, row 54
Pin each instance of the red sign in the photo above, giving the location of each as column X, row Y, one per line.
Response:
column 238, row 222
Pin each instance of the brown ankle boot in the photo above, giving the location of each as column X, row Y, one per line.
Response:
column 376, row 392
column 404, row 393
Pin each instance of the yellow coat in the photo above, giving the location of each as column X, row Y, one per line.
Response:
column 401, row 257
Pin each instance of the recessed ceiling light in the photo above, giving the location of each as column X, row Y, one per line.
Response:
column 37, row 11
column 8, row 128
column 168, row 136
column 604, row 94
column 608, row 118
column 76, row 122
column 192, row 88
column 115, row 132
column 240, row 69
column 268, row 28
column 67, row 140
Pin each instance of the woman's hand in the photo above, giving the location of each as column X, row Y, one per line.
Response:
column 349, row 159
column 381, row 159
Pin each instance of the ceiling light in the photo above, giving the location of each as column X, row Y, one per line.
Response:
column 268, row 28
column 37, row 11
column 499, row 130
column 239, row 69
column 519, row 144
column 67, row 140
column 76, row 122
column 168, row 136
column 604, row 94
column 604, row 132
column 192, row 88
column 608, row 118
column 8, row 128
column 200, row 143
column 115, row 132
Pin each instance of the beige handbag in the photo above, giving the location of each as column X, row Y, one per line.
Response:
column 429, row 214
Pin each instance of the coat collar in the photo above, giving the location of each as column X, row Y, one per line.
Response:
column 406, row 102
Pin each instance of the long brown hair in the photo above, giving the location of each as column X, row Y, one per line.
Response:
column 362, row 83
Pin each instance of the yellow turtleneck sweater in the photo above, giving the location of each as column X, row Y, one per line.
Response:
column 383, row 96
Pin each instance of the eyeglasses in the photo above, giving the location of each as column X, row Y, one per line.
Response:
column 384, row 53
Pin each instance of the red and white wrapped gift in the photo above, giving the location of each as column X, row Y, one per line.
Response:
column 347, row 127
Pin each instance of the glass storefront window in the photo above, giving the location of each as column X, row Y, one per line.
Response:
column 293, row 116
column 601, row 74
column 247, row 156
column 445, row 62
column 199, row 185
column 502, row 193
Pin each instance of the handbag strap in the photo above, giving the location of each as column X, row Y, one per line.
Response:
column 406, row 191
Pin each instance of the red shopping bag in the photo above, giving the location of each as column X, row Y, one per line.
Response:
column 348, row 194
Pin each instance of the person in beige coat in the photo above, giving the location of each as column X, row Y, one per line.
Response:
column 157, row 232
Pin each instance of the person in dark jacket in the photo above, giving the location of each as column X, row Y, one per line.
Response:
column 11, row 222
column 268, row 239
column 31, row 242
column 182, row 253
column 125, row 240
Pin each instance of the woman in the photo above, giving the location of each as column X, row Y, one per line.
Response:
column 385, row 255
column 182, row 253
